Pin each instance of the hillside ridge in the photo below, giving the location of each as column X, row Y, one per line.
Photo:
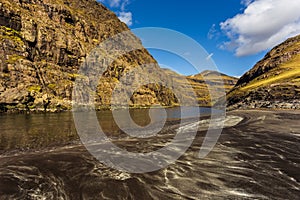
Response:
column 274, row 82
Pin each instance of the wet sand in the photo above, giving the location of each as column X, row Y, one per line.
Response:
column 257, row 159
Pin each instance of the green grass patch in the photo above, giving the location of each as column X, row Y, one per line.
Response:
column 12, row 59
column 52, row 86
column 11, row 34
column 34, row 88
column 291, row 70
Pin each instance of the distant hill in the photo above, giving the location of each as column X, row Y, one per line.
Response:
column 199, row 83
column 274, row 82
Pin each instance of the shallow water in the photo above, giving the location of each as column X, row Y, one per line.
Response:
column 256, row 159
column 35, row 131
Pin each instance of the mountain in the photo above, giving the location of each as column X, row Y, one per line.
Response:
column 274, row 82
column 221, row 83
column 44, row 42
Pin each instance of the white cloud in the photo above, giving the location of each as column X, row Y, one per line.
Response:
column 262, row 25
column 212, row 32
column 121, row 4
column 125, row 17
column 246, row 2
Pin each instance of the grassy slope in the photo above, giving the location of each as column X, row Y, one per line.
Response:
column 288, row 72
column 284, row 78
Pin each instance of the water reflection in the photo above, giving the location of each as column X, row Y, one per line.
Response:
column 35, row 131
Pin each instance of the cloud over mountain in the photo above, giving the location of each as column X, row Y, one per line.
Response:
column 125, row 17
column 122, row 14
column 263, row 24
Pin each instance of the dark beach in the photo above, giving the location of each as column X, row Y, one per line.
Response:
column 256, row 159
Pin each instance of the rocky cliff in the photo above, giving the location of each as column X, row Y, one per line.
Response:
column 43, row 43
column 274, row 82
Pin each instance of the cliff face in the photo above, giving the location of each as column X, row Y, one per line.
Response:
column 274, row 82
column 43, row 43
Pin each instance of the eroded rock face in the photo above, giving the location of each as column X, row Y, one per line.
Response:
column 273, row 82
column 43, row 43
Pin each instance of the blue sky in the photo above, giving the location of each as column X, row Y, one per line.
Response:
column 237, row 33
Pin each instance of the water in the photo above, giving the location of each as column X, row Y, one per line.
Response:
column 22, row 132
column 42, row 158
column 27, row 132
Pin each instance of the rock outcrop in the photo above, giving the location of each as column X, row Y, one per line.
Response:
column 43, row 43
column 274, row 82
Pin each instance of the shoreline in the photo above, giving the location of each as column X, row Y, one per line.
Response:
column 104, row 108
column 53, row 111
column 248, row 116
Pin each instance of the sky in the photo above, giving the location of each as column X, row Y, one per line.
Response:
column 235, row 33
